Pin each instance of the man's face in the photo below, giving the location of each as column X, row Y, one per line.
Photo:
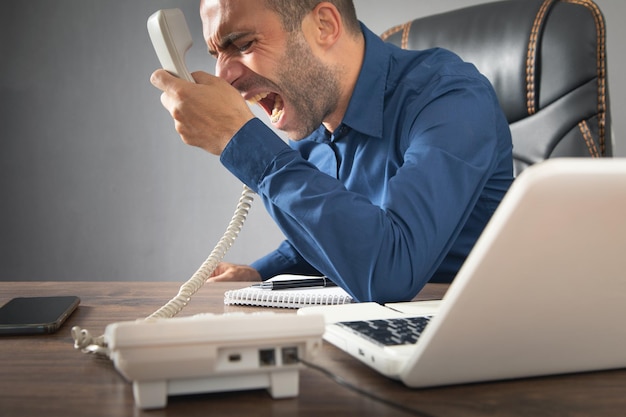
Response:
column 269, row 66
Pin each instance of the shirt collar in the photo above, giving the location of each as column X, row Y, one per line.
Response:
column 365, row 110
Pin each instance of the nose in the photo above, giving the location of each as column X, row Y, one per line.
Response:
column 228, row 68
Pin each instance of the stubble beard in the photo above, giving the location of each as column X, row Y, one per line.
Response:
column 310, row 87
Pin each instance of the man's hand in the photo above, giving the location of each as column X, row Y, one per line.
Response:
column 231, row 272
column 206, row 114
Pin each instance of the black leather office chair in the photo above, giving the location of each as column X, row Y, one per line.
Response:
column 547, row 62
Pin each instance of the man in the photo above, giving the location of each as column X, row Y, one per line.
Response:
column 397, row 158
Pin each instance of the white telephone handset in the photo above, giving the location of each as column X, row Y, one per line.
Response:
column 171, row 39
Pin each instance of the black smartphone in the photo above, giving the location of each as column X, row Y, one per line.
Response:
column 36, row 315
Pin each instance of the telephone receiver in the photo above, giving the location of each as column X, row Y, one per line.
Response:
column 171, row 39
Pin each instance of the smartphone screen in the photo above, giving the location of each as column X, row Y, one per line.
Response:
column 36, row 315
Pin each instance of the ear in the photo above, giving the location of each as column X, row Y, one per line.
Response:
column 324, row 25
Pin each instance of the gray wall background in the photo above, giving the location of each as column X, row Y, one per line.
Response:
column 95, row 183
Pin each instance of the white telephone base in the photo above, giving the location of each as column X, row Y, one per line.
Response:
column 213, row 353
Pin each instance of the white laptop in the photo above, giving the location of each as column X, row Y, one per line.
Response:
column 542, row 292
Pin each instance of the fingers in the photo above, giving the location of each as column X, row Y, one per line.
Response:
column 172, row 97
column 163, row 80
column 202, row 77
column 230, row 272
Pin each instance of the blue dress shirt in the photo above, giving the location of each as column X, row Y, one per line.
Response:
column 398, row 194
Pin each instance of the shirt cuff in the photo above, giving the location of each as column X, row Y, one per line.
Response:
column 251, row 151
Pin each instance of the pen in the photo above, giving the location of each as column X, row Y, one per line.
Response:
column 295, row 283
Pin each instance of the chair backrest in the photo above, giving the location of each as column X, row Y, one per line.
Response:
column 547, row 62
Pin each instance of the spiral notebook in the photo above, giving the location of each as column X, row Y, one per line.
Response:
column 290, row 298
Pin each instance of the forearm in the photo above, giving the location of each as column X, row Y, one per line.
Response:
column 284, row 260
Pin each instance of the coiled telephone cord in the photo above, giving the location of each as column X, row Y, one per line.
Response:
column 87, row 343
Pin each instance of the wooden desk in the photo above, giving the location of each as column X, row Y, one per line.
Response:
column 45, row 376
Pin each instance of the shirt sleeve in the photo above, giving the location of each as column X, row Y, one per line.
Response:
column 388, row 252
column 284, row 260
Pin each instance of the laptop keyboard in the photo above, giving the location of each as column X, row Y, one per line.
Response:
column 390, row 332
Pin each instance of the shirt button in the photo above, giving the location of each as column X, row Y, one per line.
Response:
column 341, row 131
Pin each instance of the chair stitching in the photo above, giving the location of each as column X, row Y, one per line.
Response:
column 391, row 31
column 601, row 65
column 405, row 34
column 531, row 57
column 405, row 28
column 588, row 137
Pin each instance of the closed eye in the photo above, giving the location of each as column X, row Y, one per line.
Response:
column 245, row 47
column 232, row 43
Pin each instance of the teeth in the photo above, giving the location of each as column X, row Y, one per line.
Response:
column 276, row 115
column 277, row 112
column 257, row 98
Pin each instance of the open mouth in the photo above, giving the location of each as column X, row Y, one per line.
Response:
column 272, row 103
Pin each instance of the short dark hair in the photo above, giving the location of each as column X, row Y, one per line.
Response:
column 292, row 12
